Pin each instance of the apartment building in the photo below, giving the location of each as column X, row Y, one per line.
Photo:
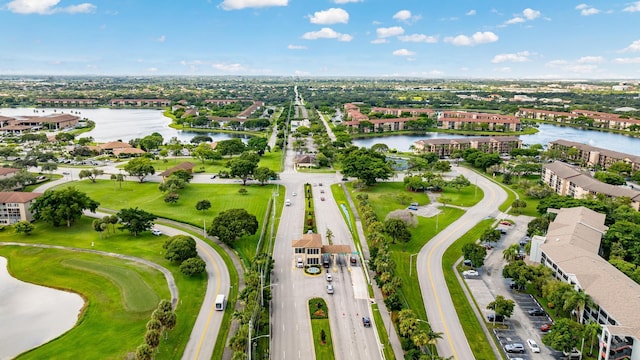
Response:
column 20, row 124
column 600, row 119
column 592, row 156
column 15, row 206
column 139, row 102
column 567, row 180
column 571, row 250
column 462, row 120
column 444, row 147
column 67, row 102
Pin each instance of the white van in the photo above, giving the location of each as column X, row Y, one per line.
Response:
column 220, row 302
column 299, row 263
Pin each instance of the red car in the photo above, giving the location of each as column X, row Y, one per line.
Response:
column 505, row 223
column 545, row 327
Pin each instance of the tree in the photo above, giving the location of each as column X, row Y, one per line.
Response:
column 99, row 226
column 23, row 227
column 230, row 147
column 459, row 182
column 258, row 144
column 576, row 301
column 405, row 216
column 180, row 248
column 49, row 167
column 442, row 166
column 397, row 230
column 232, row 224
column 65, row 136
column 135, row 220
column 565, row 336
column 140, row 168
column 204, row 152
column 380, row 147
column 193, row 266
column 511, row 253
column 152, row 338
column 200, row 139
column 65, row 205
column 366, row 165
column 144, row 352
column 502, row 306
column 264, row 174
column 407, row 323
column 119, row 178
column 244, row 166
column 171, row 197
column 475, row 253
column 91, row 174
column 7, row 151
column 203, row 205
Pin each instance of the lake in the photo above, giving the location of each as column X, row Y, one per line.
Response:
column 121, row 124
column 547, row 133
column 32, row 315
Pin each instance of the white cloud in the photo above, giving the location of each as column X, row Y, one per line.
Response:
column 635, row 60
column 581, row 68
column 296, row 47
column 471, row 12
column 243, row 4
column 477, row 38
column 326, row 33
column 379, row 41
column 152, row 69
column 390, row 31
column 590, row 59
column 403, row 52
column 555, row 63
column 586, row 10
column 514, row 20
column 346, row 1
column 231, row 68
column 634, row 7
column 521, row 56
column 161, row 39
column 331, row 16
column 635, row 46
column 420, row 38
column 402, row 15
column 530, row 14
column 47, row 7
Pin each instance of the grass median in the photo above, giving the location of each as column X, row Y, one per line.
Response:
column 321, row 329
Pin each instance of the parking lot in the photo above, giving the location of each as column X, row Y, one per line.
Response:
column 510, row 336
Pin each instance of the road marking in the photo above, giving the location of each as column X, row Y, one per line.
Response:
column 211, row 311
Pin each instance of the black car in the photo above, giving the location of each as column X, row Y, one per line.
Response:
column 495, row 317
column 366, row 321
column 537, row 312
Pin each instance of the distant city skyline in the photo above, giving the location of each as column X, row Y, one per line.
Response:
column 542, row 39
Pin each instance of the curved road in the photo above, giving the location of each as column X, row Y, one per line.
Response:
column 207, row 326
column 437, row 300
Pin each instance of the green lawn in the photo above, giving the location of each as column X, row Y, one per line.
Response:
column 272, row 160
column 146, row 196
column 121, row 294
column 472, row 328
column 532, row 203
column 319, row 314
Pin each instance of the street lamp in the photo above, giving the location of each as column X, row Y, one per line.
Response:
column 411, row 263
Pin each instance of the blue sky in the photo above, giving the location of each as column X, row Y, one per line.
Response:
column 544, row 39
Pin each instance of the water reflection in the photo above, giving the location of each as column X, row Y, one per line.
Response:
column 32, row 315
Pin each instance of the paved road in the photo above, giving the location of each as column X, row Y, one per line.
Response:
column 437, row 300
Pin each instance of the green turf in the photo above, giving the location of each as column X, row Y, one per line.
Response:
column 323, row 351
column 110, row 315
column 146, row 196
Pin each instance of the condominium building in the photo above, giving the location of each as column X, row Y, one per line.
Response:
column 462, row 120
column 444, row 147
column 571, row 250
column 592, row 156
column 15, row 206
column 597, row 119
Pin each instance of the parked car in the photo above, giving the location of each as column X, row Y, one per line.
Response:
column 514, row 348
column 329, row 277
column 214, row 176
column 536, row 312
column 533, row 345
column 495, row 317
column 353, row 259
column 470, row 273
column 156, row 232
column 467, row 262
column 329, row 289
column 506, row 223
column 366, row 322
column 573, row 354
column 414, row 208
column 545, row 327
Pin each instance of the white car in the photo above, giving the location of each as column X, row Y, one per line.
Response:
column 533, row 345
column 470, row 273
column 156, row 232
column 330, row 289
column 329, row 277
column 293, row 194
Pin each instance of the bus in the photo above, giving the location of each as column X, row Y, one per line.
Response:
column 220, row 302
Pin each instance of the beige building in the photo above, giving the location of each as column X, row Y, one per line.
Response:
column 571, row 250
column 15, row 206
column 444, row 147
column 567, row 180
column 592, row 156
column 309, row 250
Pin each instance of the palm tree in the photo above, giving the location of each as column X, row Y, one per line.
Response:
column 577, row 301
column 511, row 252
column 433, row 336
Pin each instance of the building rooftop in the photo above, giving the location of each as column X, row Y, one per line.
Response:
column 17, row 197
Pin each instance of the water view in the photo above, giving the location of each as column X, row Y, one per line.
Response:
column 120, row 124
column 32, row 315
column 547, row 133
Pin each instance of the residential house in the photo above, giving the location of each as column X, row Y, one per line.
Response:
column 305, row 160
column 186, row 166
column 6, row 173
column 15, row 206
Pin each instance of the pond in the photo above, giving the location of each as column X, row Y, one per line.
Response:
column 32, row 315
column 121, row 124
column 547, row 133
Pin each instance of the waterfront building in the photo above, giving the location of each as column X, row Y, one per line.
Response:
column 20, row 124
column 67, row 102
column 592, row 118
column 15, row 206
column 462, row 120
column 592, row 156
column 445, row 147
column 139, row 102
